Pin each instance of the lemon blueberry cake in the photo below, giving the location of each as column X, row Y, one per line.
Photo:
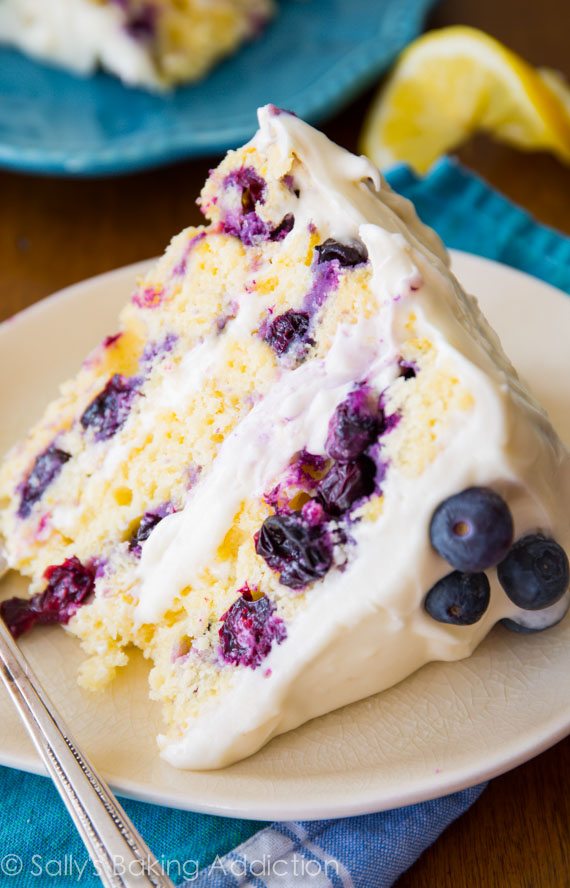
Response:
column 302, row 468
column 152, row 43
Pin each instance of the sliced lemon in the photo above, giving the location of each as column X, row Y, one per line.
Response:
column 449, row 84
column 557, row 84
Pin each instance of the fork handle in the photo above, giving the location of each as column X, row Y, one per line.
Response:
column 119, row 854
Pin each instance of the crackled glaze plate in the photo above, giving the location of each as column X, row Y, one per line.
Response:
column 447, row 727
column 313, row 57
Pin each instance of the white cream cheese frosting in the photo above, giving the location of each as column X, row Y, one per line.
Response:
column 363, row 628
column 153, row 44
column 77, row 34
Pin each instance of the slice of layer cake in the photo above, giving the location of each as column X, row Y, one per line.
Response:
column 152, row 43
column 302, row 468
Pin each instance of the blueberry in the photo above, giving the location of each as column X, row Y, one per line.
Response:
column 528, row 628
column 300, row 551
column 250, row 628
column 146, row 525
column 345, row 483
column 108, row 411
column 347, row 255
column 459, row 598
column 354, row 426
column 68, row 586
column 141, row 25
column 251, row 185
column 408, row 369
column 288, row 329
column 243, row 222
column 535, row 573
column 19, row 615
column 472, row 530
column 284, row 228
column 45, row 470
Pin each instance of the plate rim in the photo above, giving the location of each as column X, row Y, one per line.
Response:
column 348, row 75
column 457, row 777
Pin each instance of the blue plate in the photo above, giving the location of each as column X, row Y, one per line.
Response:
column 314, row 57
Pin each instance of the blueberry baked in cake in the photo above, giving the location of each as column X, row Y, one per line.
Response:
column 299, row 469
column 149, row 43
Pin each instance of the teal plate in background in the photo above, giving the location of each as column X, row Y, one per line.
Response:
column 313, row 58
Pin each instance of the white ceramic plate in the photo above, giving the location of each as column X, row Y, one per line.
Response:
column 447, row 727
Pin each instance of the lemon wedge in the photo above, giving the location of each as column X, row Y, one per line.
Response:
column 451, row 83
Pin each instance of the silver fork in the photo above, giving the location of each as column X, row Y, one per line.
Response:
column 120, row 856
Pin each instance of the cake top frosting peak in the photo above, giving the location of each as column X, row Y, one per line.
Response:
column 348, row 188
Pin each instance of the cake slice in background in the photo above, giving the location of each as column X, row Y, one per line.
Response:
column 150, row 43
column 301, row 468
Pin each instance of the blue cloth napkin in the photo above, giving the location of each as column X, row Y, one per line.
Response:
column 38, row 845
column 370, row 851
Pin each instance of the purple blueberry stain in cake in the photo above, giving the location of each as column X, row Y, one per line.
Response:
column 43, row 528
column 313, row 513
column 242, row 221
column 252, row 186
column 181, row 649
column 306, row 469
column 376, row 455
column 288, row 332
column 157, row 349
column 109, row 410
column 224, row 319
column 391, row 422
column 248, row 227
column 109, row 341
column 44, row 471
column 100, row 566
column 325, row 280
column 146, row 526
column 303, row 475
column 148, row 297
column 346, row 255
column 180, row 268
column 250, row 629
column 300, row 552
column 354, row 426
column 290, row 184
column 408, row 369
column 193, row 472
column 69, row 585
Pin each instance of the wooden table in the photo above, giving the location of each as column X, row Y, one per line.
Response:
column 53, row 233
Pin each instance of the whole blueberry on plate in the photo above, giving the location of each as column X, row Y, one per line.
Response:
column 535, row 574
column 459, row 598
column 472, row 530
column 524, row 627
